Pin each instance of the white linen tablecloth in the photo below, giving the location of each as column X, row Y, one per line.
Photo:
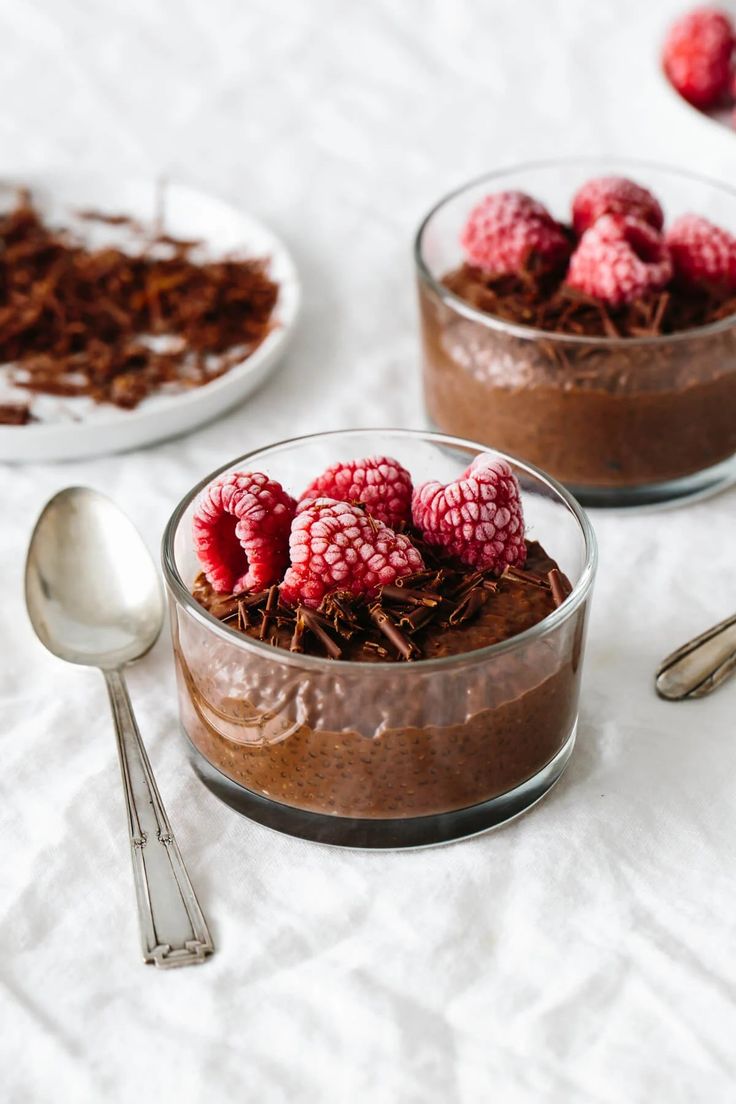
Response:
column 583, row 953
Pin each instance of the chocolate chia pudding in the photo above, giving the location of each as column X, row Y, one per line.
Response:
column 604, row 392
column 610, row 413
column 407, row 771
column 451, row 686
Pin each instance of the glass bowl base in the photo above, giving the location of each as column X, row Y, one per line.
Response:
column 672, row 492
column 383, row 835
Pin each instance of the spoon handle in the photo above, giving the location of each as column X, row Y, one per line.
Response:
column 173, row 929
column 701, row 665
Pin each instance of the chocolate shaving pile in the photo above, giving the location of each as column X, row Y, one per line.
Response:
column 77, row 321
column 544, row 303
column 389, row 626
column 14, row 414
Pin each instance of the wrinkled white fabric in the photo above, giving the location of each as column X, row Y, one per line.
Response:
column 582, row 954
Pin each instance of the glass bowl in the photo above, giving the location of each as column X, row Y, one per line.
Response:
column 382, row 754
column 620, row 421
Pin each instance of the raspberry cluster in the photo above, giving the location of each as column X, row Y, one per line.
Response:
column 617, row 249
column 250, row 534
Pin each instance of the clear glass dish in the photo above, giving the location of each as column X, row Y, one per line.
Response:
column 620, row 421
column 382, row 754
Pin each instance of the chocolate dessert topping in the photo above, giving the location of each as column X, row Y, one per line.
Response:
column 468, row 583
column 543, row 303
column 252, row 601
column 417, row 618
column 410, row 595
column 468, row 606
column 227, row 608
column 295, row 644
column 393, row 633
column 14, row 414
column 117, row 326
column 559, row 586
column 521, row 576
column 314, row 623
column 343, row 620
column 400, row 622
column 268, row 612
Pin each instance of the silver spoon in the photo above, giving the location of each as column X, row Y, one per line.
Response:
column 700, row 666
column 94, row 598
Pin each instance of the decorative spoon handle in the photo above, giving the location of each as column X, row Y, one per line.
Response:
column 700, row 666
column 173, row 929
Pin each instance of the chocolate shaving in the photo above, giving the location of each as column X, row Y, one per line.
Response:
column 312, row 620
column 518, row 575
column 224, row 608
column 117, row 326
column 410, row 596
column 659, row 312
column 418, row 618
column 559, row 586
column 543, row 301
column 296, row 645
column 320, row 618
column 469, row 606
column 466, row 584
column 249, row 601
column 393, row 633
column 337, row 608
column 90, row 215
column 419, row 578
column 268, row 612
column 16, row 414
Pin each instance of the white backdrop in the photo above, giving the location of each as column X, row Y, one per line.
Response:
column 584, row 953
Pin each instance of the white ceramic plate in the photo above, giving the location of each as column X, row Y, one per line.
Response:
column 73, row 428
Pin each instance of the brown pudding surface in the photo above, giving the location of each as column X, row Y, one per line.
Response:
column 501, row 608
column 398, row 739
column 593, row 414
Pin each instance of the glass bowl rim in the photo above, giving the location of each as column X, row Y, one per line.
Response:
column 183, row 597
column 517, row 329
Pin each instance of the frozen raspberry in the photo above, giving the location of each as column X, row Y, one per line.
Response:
column 510, row 232
column 619, row 260
column 478, row 518
column 697, row 56
column 241, row 531
column 379, row 484
column 613, row 195
column 336, row 546
column 702, row 253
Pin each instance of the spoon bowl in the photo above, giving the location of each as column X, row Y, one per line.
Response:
column 92, row 590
